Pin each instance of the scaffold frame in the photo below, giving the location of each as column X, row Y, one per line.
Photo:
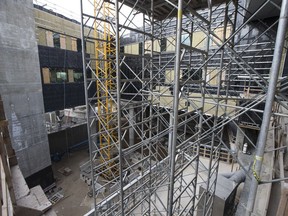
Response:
column 172, row 105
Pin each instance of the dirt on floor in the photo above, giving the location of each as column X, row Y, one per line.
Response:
column 75, row 200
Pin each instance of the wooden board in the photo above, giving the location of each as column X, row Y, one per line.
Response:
column 46, row 75
column 49, row 39
column 70, row 75
column 73, row 44
column 62, row 42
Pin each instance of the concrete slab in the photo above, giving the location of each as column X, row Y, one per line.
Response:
column 35, row 200
column 21, row 189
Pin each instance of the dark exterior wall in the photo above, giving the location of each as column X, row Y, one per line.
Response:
column 20, row 86
column 58, row 96
column 59, row 58
column 68, row 140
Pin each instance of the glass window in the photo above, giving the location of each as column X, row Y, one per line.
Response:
column 56, row 40
column 122, row 49
column 58, row 75
column 61, row 76
column 163, row 44
column 185, row 39
column 79, row 45
column 78, row 76
column 140, row 48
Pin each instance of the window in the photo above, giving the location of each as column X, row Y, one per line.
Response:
column 78, row 76
column 122, row 49
column 79, row 45
column 192, row 74
column 56, row 40
column 58, row 75
column 187, row 103
column 185, row 39
column 163, row 44
column 61, row 76
column 140, row 48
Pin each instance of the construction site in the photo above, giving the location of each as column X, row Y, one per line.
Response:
column 145, row 107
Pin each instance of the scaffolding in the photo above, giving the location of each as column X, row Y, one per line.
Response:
column 150, row 112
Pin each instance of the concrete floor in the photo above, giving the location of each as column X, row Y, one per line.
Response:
column 75, row 201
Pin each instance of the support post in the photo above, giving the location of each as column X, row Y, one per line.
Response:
column 88, row 109
column 132, row 121
column 175, row 108
column 118, row 77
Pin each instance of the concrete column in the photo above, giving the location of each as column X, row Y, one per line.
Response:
column 132, row 119
column 21, row 89
column 239, row 139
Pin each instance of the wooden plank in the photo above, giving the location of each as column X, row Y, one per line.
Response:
column 49, row 39
column 62, row 42
column 70, row 75
column 46, row 75
column 68, row 43
column 6, row 169
column 73, row 44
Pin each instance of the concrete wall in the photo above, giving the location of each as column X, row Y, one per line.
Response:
column 20, row 85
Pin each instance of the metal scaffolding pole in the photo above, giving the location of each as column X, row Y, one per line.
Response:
column 274, row 73
column 88, row 108
column 175, row 108
column 118, row 75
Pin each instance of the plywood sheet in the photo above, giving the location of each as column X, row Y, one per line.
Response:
column 70, row 75
column 73, row 44
column 62, row 42
column 46, row 75
column 49, row 39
